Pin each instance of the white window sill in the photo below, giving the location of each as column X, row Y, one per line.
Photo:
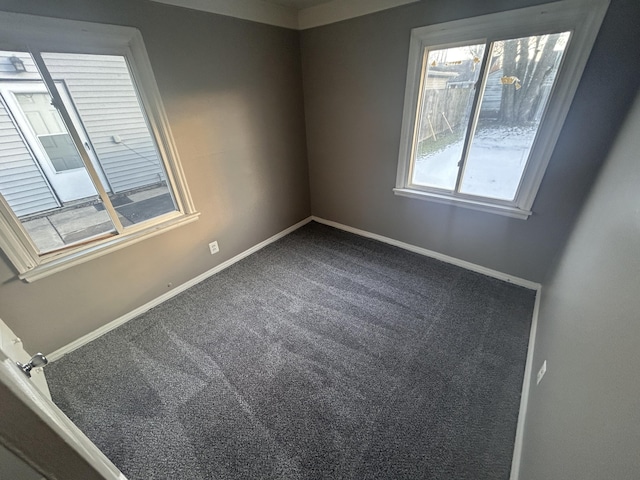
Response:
column 61, row 261
column 505, row 210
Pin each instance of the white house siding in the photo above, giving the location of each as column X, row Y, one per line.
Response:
column 106, row 101
column 21, row 181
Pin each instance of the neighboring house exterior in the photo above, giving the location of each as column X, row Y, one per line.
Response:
column 40, row 168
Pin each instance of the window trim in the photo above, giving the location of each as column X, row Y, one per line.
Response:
column 42, row 34
column 582, row 18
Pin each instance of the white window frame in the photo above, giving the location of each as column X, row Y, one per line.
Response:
column 581, row 17
column 36, row 34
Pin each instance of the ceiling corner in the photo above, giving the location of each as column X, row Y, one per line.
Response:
column 281, row 14
column 254, row 10
column 338, row 10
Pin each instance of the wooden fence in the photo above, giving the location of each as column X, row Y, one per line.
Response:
column 443, row 111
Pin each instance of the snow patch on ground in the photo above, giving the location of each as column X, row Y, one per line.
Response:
column 496, row 161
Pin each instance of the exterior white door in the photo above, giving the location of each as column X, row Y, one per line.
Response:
column 48, row 137
column 34, row 426
column 11, row 345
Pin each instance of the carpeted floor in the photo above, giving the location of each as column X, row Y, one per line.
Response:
column 322, row 356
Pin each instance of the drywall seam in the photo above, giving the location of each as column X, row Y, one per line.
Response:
column 89, row 337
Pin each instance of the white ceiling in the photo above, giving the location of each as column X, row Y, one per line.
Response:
column 296, row 14
column 298, row 4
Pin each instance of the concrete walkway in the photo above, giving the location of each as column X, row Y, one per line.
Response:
column 61, row 228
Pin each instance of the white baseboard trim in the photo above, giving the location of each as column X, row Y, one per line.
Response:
column 517, row 450
column 56, row 355
column 524, row 398
column 430, row 253
column 526, row 385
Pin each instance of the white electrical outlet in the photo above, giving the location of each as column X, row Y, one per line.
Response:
column 541, row 372
column 213, row 248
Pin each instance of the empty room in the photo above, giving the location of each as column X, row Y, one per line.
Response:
column 319, row 239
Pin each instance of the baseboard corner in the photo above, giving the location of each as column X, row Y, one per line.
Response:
column 432, row 254
column 524, row 398
column 89, row 337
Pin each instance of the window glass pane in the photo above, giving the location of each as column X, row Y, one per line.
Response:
column 103, row 95
column 47, row 124
column 520, row 79
column 446, row 99
column 41, row 175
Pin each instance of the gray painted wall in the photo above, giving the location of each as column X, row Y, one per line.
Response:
column 233, row 94
column 11, row 467
column 237, row 118
column 583, row 420
column 354, row 76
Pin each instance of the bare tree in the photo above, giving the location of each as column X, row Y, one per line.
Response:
column 526, row 64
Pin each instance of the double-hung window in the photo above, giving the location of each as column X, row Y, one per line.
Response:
column 485, row 100
column 87, row 162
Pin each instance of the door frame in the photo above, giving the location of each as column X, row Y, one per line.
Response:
column 40, row 434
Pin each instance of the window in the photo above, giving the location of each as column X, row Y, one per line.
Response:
column 485, row 101
column 87, row 162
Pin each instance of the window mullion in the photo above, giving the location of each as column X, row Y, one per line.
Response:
column 62, row 109
column 473, row 117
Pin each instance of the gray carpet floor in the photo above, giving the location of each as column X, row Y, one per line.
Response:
column 323, row 356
